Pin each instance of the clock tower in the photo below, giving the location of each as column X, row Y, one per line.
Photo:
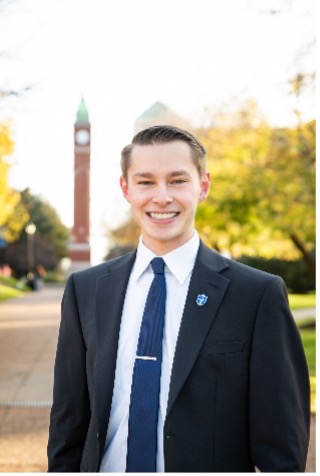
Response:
column 79, row 251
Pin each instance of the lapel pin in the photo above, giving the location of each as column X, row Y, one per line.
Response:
column 201, row 299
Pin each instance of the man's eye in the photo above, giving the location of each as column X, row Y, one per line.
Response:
column 145, row 182
column 178, row 181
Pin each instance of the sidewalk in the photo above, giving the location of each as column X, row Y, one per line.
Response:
column 304, row 313
column 28, row 337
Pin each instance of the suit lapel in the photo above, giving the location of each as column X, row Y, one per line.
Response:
column 109, row 298
column 196, row 319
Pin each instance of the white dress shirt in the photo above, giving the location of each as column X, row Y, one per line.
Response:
column 179, row 264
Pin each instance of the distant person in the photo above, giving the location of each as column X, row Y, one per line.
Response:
column 205, row 374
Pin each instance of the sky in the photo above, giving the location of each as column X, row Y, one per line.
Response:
column 124, row 55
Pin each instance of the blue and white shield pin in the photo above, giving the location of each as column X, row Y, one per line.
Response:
column 201, row 299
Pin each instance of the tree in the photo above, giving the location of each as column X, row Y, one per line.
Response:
column 124, row 238
column 9, row 199
column 291, row 171
column 263, row 189
column 51, row 238
column 237, row 145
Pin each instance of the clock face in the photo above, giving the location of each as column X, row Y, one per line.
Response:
column 82, row 137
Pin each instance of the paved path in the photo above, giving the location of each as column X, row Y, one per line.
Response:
column 304, row 313
column 28, row 337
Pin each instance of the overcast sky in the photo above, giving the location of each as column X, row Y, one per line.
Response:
column 122, row 56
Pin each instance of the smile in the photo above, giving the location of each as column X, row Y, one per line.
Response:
column 162, row 216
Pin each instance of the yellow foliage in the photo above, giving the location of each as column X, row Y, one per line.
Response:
column 6, row 142
column 16, row 222
column 9, row 199
column 262, row 187
column 127, row 234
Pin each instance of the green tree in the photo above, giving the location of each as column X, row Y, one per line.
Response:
column 48, row 223
column 51, row 238
column 291, row 187
column 263, row 189
column 237, row 146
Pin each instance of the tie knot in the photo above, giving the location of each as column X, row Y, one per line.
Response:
column 157, row 265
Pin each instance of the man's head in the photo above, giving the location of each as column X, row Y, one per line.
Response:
column 164, row 179
column 162, row 135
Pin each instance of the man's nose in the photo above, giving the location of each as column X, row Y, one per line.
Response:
column 162, row 195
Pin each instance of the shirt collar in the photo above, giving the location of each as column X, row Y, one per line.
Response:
column 179, row 262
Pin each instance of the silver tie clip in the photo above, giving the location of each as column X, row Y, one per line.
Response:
column 145, row 357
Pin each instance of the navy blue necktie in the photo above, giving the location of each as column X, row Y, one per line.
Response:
column 145, row 390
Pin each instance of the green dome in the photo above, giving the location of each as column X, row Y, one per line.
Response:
column 156, row 110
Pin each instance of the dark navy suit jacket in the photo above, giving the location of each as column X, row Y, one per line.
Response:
column 239, row 392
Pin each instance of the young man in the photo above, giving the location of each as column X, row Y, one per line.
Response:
column 232, row 388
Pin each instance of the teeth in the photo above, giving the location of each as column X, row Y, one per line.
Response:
column 162, row 216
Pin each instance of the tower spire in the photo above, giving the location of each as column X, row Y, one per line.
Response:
column 82, row 113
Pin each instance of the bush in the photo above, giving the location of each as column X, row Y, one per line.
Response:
column 294, row 273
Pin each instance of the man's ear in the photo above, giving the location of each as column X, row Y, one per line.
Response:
column 205, row 187
column 124, row 188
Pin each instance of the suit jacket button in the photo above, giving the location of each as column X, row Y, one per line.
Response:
column 98, row 436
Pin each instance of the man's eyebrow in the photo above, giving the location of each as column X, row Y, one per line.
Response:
column 143, row 174
column 175, row 173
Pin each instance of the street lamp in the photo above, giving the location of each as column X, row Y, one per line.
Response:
column 30, row 230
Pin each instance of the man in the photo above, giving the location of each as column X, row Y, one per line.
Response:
column 234, row 387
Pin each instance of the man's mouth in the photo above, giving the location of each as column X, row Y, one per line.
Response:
column 162, row 216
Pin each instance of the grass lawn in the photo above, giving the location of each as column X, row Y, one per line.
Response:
column 302, row 301
column 309, row 343
column 11, row 287
column 308, row 335
column 7, row 292
column 307, row 329
column 313, row 394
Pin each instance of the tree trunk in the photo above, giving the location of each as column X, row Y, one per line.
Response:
column 308, row 258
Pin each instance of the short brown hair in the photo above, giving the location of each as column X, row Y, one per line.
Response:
column 161, row 135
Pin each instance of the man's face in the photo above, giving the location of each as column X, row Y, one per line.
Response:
column 164, row 188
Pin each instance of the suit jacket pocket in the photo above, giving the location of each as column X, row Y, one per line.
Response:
column 222, row 347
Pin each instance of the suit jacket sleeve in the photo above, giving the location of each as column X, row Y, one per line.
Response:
column 70, row 412
column 279, row 390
